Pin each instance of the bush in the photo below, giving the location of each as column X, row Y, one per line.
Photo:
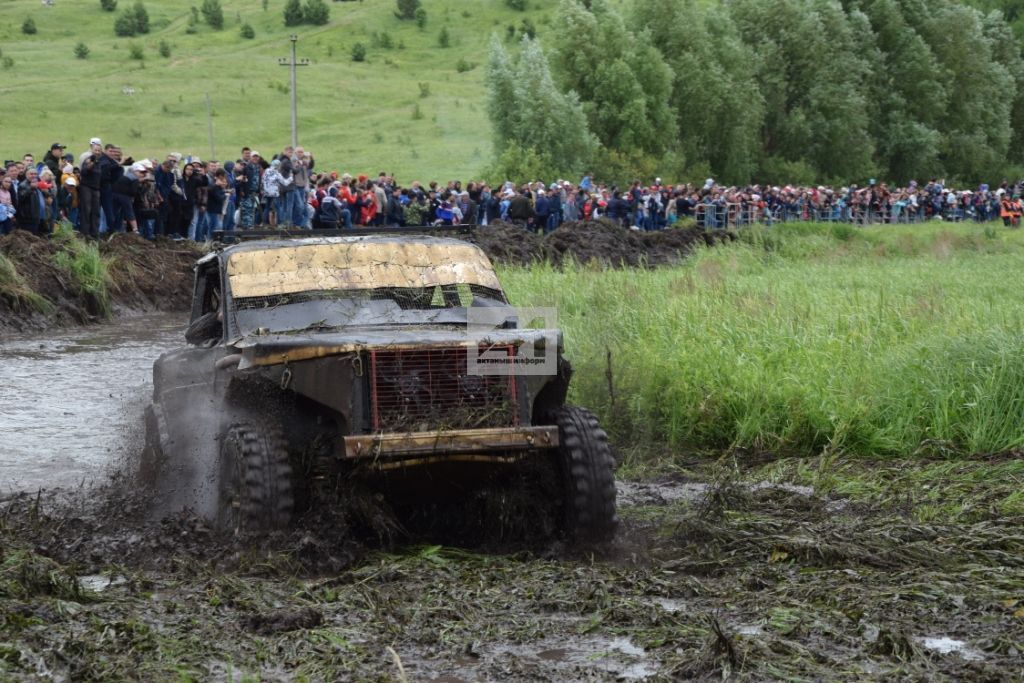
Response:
column 421, row 17
column 108, row 5
column 417, row 113
column 7, row 62
column 246, row 31
column 124, row 25
column 519, row 5
column 528, row 29
column 385, row 41
column 81, row 50
column 293, row 13
column 407, row 9
column 135, row 52
column 424, row 89
column 462, row 66
column 141, row 17
column 358, row 52
column 213, row 14
column 28, row 27
column 164, row 49
column 444, row 39
column 316, row 12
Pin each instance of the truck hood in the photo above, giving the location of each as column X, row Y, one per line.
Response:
column 274, row 349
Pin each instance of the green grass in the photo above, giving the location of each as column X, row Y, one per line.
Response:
column 804, row 340
column 354, row 117
column 20, row 295
column 88, row 269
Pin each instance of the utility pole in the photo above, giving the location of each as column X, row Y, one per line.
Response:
column 295, row 107
column 209, row 121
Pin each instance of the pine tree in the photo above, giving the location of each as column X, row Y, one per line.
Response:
column 501, row 105
column 81, row 50
column 293, row 13
column 108, row 5
column 213, row 14
column 28, row 27
column 247, row 31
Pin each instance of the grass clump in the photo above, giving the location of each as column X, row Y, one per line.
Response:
column 17, row 292
column 88, row 269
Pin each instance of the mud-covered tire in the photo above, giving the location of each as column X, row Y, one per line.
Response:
column 256, row 479
column 152, row 455
column 204, row 328
column 588, row 477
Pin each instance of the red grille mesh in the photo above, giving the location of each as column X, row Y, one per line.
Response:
column 430, row 389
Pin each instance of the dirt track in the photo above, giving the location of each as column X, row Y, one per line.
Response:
column 706, row 579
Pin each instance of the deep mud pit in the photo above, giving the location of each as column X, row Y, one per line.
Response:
column 70, row 403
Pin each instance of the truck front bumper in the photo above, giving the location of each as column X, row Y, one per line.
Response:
column 458, row 442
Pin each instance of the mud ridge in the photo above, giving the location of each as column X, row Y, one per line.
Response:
column 600, row 242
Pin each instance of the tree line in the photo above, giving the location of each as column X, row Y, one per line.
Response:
column 781, row 90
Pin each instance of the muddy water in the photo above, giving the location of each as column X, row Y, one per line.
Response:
column 71, row 403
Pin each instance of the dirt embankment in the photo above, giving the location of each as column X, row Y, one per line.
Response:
column 599, row 241
column 46, row 283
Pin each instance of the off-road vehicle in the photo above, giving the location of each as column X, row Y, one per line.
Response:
column 321, row 360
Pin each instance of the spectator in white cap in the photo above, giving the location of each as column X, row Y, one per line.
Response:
column 67, row 200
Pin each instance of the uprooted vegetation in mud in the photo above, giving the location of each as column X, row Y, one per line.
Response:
column 713, row 574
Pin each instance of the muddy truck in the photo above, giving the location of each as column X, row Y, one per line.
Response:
column 314, row 363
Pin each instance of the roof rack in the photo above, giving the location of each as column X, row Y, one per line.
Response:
column 246, row 235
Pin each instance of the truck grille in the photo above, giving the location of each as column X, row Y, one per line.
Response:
column 429, row 389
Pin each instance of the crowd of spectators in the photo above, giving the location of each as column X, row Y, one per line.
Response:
column 102, row 191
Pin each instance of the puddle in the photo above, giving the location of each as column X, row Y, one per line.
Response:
column 636, row 494
column 72, row 399
column 97, row 583
column 669, row 604
column 946, row 645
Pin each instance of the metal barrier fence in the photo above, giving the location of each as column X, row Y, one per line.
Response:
column 732, row 215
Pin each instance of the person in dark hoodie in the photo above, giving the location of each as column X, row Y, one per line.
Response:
column 31, row 203
column 54, row 159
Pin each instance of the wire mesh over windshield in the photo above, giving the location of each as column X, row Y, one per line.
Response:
column 407, row 298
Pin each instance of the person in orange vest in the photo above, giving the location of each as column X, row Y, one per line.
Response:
column 1016, row 210
column 1006, row 210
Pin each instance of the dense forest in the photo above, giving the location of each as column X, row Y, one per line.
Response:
column 774, row 90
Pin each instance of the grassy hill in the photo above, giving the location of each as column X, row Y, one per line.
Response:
column 354, row 116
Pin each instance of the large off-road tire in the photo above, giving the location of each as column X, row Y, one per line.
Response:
column 256, row 479
column 588, row 480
